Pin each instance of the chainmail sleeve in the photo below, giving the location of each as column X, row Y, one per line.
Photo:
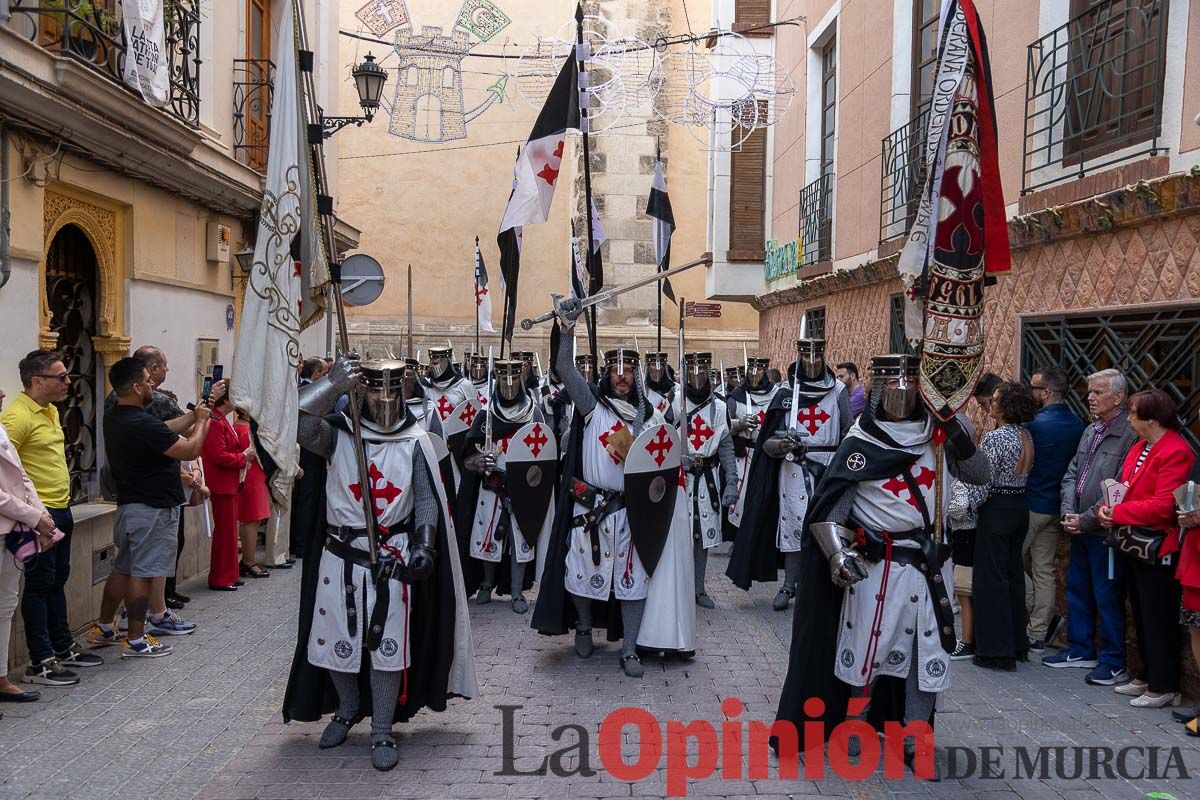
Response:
column 425, row 502
column 316, row 435
column 840, row 511
column 727, row 458
column 845, row 414
column 573, row 383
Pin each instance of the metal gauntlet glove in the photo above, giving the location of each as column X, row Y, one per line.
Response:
column 846, row 565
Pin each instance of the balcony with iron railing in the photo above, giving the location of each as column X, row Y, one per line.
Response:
column 92, row 33
column 816, row 221
column 253, row 87
column 902, row 177
column 1093, row 92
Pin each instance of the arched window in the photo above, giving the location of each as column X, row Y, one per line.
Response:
column 411, row 76
column 448, row 77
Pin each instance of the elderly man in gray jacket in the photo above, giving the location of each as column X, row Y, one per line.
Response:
column 1091, row 588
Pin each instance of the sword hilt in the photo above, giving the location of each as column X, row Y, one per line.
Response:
column 528, row 323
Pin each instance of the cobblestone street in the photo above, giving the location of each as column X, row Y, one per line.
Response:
column 205, row 722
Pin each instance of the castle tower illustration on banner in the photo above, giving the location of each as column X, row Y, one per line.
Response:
column 428, row 102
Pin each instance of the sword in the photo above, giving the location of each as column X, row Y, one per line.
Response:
column 488, row 448
column 608, row 294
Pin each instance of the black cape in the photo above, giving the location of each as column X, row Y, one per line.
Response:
column 819, row 602
column 310, row 694
column 755, row 556
column 468, row 496
column 554, row 613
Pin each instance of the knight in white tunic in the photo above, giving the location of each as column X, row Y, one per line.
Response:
column 492, row 501
column 592, row 557
column 709, row 465
column 804, row 423
column 477, row 372
column 389, row 624
column 871, row 534
column 445, row 387
column 661, row 389
column 747, row 410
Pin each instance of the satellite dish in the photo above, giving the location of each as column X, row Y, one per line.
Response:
column 362, row 280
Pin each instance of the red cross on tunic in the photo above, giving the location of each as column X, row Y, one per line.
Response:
column 549, row 174
column 899, row 487
column 762, row 417
column 604, row 441
column 383, row 491
column 468, row 415
column 661, row 445
column 444, row 407
column 700, row 432
column 535, row 440
column 480, row 293
column 812, row 418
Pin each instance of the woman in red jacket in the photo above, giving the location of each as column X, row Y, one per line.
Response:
column 1156, row 465
column 224, row 459
column 254, row 504
column 1189, row 575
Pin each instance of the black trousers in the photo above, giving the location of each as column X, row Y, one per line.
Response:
column 170, row 585
column 1154, row 595
column 999, row 578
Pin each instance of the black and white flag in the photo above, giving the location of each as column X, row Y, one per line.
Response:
column 658, row 208
column 483, row 297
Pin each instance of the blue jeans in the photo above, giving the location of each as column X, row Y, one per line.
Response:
column 44, row 604
column 1089, row 591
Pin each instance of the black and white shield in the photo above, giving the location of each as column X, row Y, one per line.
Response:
column 531, row 471
column 651, row 486
column 458, row 423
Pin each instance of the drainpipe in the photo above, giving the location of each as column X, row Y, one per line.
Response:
column 5, row 257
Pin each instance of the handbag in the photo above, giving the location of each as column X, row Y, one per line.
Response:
column 1140, row 544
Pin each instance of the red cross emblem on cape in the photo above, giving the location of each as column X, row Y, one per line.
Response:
column 444, row 407
column 604, row 440
column 812, row 418
column 468, row 415
column 700, row 432
column 383, row 491
column 661, row 445
column 899, row 487
column 535, row 440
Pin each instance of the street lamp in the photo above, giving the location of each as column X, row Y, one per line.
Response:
column 245, row 259
column 369, row 79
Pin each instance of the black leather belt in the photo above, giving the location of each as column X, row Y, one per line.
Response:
column 928, row 557
column 602, row 504
column 387, row 568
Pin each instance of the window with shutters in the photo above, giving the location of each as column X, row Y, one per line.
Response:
column 749, row 13
column 828, row 104
column 747, row 195
column 925, row 51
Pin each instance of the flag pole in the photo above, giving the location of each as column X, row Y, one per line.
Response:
column 587, row 178
column 476, row 294
column 411, row 353
column 504, row 329
column 321, row 179
column 657, row 160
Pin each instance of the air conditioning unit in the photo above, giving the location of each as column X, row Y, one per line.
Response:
column 218, row 241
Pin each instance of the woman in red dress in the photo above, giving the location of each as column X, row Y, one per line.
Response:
column 254, row 505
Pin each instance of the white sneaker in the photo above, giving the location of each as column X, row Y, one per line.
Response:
column 1146, row 701
column 1132, row 689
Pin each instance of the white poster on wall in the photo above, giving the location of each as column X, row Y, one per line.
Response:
column 146, row 67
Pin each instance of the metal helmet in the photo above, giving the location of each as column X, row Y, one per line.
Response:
column 510, row 379
column 698, row 367
column 894, row 385
column 384, row 381
column 477, row 367
column 756, row 371
column 734, row 376
column 526, row 357
column 657, row 364
column 617, row 360
column 586, row 364
column 810, row 359
column 441, row 361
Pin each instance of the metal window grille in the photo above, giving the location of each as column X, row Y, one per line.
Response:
column 902, row 178
column 1093, row 90
column 814, row 325
column 1153, row 348
column 816, row 221
column 93, row 34
column 253, row 87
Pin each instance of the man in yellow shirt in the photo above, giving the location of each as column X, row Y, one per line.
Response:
column 36, row 433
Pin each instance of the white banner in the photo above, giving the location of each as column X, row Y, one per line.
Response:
column 146, row 58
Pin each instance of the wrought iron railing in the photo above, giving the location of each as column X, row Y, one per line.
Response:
column 816, row 220
column 1152, row 348
column 1093, row 91
column 253, row 87
column 92, row 33
column 903, row 176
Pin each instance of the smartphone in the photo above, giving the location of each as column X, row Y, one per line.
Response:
column 218, row 372
column 207, row 390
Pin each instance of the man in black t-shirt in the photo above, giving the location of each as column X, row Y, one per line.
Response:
column 144, row 454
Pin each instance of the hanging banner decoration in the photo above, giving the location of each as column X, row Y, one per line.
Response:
column 383, row 16
column 959, row 237
column 481, row 18
column 146, row 67
column 658, row 208
column 483, row 297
